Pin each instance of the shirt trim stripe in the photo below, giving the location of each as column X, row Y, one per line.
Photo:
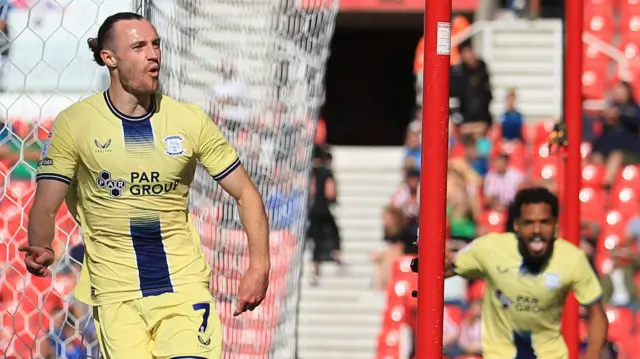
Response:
column 220, row 176
column 124, row 117
column 53, row 176
column 592, row 302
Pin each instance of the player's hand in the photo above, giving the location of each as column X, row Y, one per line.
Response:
column 38, row 259
column 252, row 289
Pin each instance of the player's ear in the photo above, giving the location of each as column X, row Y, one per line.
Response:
column 109, row 59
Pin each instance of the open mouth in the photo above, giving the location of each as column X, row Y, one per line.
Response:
column 537, row 245
column 154, row 71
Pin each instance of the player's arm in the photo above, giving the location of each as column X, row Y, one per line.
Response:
column 56, row 168
column 252, row 215
column 222, row 162
column 589, row 294
column 468, row 262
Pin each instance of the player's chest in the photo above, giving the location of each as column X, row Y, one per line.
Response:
column 517, row 289
column 137, row 149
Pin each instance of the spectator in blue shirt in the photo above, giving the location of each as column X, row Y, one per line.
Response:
column 512, row 120
column 412, row 146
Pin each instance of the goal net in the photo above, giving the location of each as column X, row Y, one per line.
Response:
column 256, row 66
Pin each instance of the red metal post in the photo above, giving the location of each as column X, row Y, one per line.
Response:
column 433, row 181
column 573, row 177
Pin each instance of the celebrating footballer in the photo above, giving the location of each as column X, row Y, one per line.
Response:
column 124, row 159
column 528, row 275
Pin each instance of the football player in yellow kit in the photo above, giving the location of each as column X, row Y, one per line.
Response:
column 528, row 275
column 125, row 159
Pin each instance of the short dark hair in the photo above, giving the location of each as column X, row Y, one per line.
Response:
column 535, row 195
column 97, row 44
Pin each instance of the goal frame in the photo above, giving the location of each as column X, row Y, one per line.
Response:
column 433, row 183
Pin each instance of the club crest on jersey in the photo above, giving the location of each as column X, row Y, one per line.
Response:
column 552, row 280
column 174, row 145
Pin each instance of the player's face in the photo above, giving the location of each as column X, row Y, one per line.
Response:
column 536, row 229
column 139, row 55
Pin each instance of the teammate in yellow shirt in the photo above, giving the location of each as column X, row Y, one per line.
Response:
column 528, row 275
column 124, row 159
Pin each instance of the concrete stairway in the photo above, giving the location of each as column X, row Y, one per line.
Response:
column 525, row 55
column 340, row 318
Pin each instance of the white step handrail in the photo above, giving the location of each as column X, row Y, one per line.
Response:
column 616, row 55
column 611, row 51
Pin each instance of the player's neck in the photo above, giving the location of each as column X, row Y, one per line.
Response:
column 129, row 104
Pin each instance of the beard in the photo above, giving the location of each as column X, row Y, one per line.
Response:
column 534, row 264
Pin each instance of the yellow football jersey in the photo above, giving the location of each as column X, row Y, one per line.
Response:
column 129, row 181
column 521, row 312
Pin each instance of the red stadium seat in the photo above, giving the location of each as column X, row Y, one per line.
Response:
column 594, row 77
column 593, row 175
column 629, row 12
column 476, row 290
column 493, row 221
column 545, row 168
column 592, row 204
column 538, row 133
column 629, row 177
column 454, row 313
column 621, row 324
column 625, row 200
column 599, row 23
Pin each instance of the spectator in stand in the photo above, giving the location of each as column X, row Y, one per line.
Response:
column 450, row 335
column 475, row 159
column 412, row 147
column 470, row 330
column 394, row 229
column 620, row 136
column 512, row 121
column 618, row 284
column 501, row 183
column 407, row 196
column 323, row 229
column 472, row 87
column 462, row 206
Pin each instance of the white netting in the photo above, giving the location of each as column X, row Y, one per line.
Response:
column 257, row 66
column 276, row 52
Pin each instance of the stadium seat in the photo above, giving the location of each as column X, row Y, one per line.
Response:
column 545, row 168
column 516, row 151
column 592, row 204
column 593, row 176
column 599, row 23
column 625, row 200
column 476, row 290
column 454, row 313
column 629, row 177
column 538, row 133
column 493, row 221
column 594, row 77
column 621, row 324
column 629, row 17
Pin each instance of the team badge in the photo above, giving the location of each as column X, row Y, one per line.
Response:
column 174, row 145
column 552, row 280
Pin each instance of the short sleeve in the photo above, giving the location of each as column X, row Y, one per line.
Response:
column 214, row 151
column 59, row 156
column 586, row 285
column 468, row 262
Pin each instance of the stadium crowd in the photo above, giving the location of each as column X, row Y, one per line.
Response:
column 490, row 159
